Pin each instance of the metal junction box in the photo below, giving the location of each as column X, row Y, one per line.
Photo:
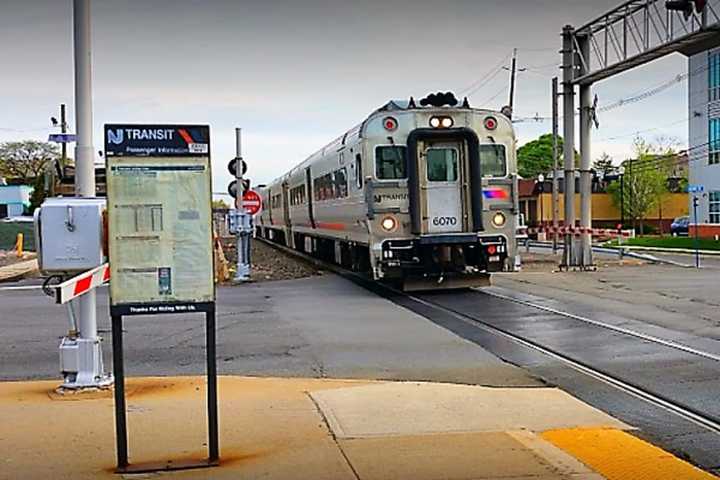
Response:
column 69, row 231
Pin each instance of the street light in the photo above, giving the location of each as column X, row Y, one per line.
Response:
column 541, row 181
column 621, row 172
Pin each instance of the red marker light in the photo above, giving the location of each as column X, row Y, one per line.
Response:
column 390, row 124
column 490, row 123
column 492, row 249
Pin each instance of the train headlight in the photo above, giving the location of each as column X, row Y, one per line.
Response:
column 441, row 122
column 499, row 220
column 389, row 224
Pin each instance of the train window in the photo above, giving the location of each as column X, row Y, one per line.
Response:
column 341, row 186
column 358, row 171
column 442, row 164
column 390, row 162
column 493, row 162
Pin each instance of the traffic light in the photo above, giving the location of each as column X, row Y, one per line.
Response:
column 686, row 6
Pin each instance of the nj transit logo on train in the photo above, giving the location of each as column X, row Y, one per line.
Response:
column 495, row 193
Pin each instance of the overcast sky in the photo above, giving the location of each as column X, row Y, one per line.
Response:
column 295, row 74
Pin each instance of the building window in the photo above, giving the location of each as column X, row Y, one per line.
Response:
column 714, row 207
column 714, row 141
column 714, row 77
column 390, row 163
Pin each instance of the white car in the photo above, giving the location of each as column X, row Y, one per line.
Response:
column 22, row 219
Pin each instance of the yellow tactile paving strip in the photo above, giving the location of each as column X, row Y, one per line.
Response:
column 618, row 455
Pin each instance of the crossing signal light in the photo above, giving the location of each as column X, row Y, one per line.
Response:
column 232, row 188
column 687, row 7
column 232, row 166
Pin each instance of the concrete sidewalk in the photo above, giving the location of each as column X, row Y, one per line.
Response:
column 289, row 429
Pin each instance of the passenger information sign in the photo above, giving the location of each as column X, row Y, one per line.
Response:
column 159, row 219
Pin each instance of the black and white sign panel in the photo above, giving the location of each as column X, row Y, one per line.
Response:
column 157, row 140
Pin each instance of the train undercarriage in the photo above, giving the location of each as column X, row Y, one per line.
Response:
column 433, row 262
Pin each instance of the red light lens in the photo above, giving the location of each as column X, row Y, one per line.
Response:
column 490, row 123
column 492, row 249
column 390, row 124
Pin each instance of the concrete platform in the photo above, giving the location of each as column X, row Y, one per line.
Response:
column 279, row 429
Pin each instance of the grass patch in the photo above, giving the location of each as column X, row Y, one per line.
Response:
column 8, row 235
column 670, row 242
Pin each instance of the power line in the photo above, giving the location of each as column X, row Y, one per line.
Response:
column 484, row 79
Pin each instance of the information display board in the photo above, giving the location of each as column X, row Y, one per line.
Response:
column 159, row 219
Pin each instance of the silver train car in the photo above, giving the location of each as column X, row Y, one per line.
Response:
column 424, row 194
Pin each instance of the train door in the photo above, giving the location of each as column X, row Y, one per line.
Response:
column 442, row 179
column 310, row 193
column 286, row 204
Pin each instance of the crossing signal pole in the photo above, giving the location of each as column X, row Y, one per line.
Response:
column 241, row 218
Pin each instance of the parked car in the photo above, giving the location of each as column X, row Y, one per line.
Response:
column 680, row 226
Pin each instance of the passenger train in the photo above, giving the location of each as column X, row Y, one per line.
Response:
column 424, row 194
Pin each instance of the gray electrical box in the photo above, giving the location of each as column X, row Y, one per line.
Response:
column 69, row 234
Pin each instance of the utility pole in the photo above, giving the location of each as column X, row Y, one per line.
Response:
column 63, row 129
column 513, row 75
column 555, row 182
column 587, row 116
column 569, row 255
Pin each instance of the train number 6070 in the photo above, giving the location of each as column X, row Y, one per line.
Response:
column 444, row 221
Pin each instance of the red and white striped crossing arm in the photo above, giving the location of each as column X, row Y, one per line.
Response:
column 577, row 231
column 82, row 283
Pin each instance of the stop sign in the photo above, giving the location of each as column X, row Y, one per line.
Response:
column 251, row 202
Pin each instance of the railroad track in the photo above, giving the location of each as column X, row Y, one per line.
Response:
column 430, row 305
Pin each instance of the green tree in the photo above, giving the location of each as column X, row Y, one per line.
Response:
column 536, row 157
column 26, row 160
column 604, row 164
column 645, row 181
column 221, row 204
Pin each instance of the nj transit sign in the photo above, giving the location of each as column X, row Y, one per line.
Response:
column 157, row 140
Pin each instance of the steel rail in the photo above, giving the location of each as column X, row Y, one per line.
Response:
column 615, row 328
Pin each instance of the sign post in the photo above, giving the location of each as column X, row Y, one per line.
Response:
column 160, row 249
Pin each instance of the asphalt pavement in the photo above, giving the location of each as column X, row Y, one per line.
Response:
column 315, row 327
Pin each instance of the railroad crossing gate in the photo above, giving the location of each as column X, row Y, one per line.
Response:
column 160, row 247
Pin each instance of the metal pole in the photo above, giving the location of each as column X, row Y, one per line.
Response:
column 555, row 184
column 91, row 370
column 569, row 257
column 121, row 440
column 242, row 268
column 622, row 200
column 213, row 447
column 697, row 239
column 585, row 259
column 84, row 162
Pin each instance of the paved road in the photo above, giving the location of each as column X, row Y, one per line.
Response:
column 317, row 327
